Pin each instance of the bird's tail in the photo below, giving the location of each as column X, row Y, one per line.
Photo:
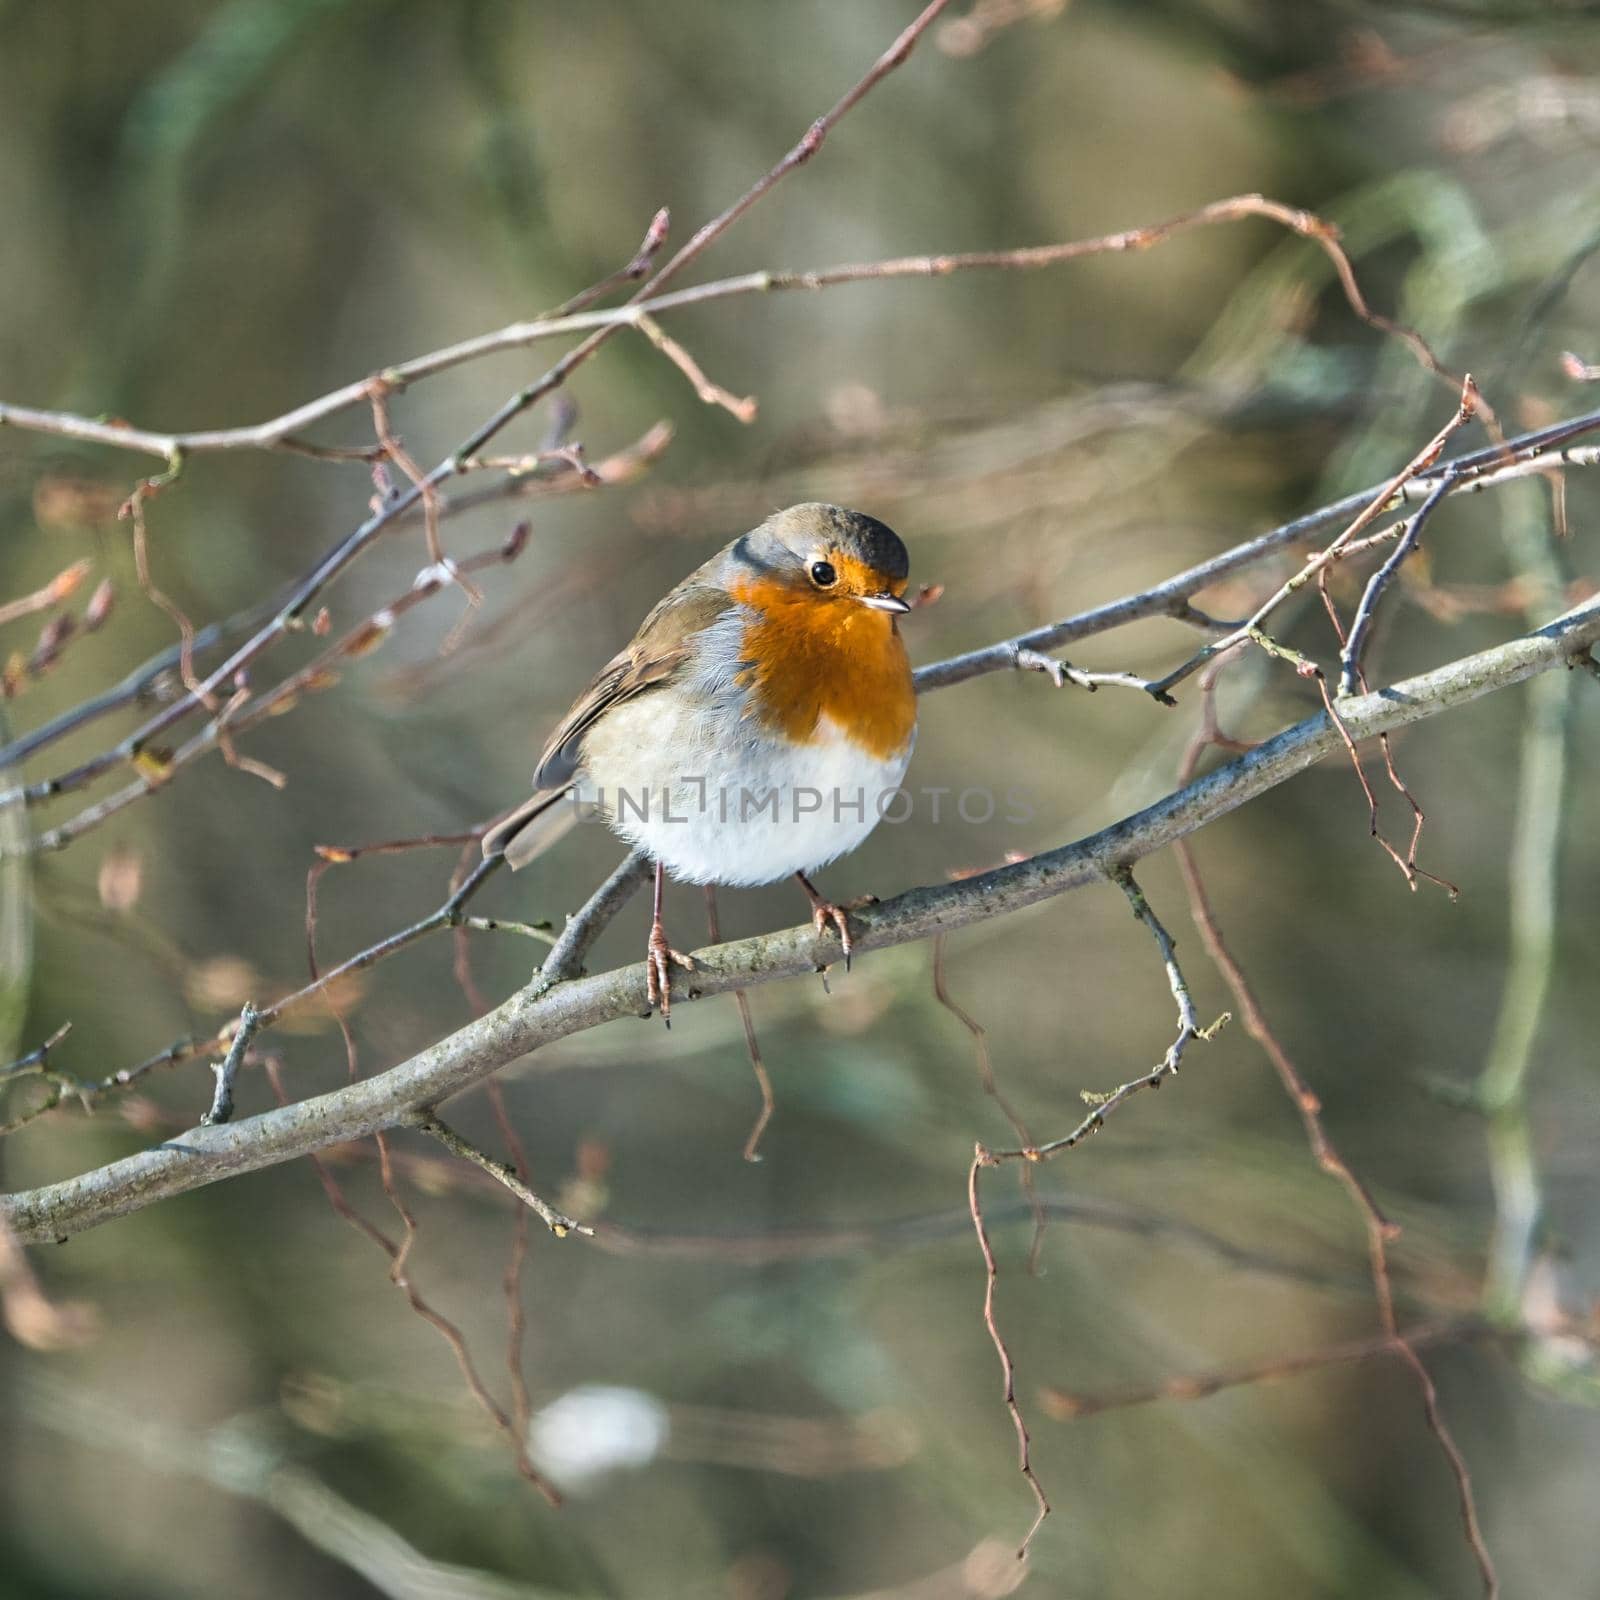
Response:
column 533, row 827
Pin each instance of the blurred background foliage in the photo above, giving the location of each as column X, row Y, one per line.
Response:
column 214, row 211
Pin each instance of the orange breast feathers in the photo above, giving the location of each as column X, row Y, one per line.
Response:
column 813, row 656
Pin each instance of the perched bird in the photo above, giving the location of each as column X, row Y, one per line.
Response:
column 758, row 725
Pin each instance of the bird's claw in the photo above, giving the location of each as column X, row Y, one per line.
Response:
column 825, row 915
column 660, row 958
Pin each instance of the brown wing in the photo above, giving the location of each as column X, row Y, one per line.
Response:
column 659, row 648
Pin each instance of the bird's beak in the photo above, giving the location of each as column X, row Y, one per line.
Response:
column 885, row 602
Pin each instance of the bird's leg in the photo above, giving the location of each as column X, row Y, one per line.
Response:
column 825, row 913
column 660, row 956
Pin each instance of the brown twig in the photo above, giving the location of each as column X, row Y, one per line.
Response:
column 132, row 511
column 981, row 1158
column 157, row 766
column 516, row 1263
column 1408, row 862
column 752, row 1143
column 146, row 681
column 560, row 1225
column 57, row 592
column 640, row 266
column 1380, row 1230
column 399, row 1274
column 1028, row 1152
column 1314, row 566
column 713, row 394
column 1064, row 1405
column 379, row 390
column 652, row 303
column 991, row 1087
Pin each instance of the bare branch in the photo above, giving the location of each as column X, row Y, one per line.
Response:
column 758, row 1067
column 1380, row 1231
column 559, row 1225
column 712, row 393
column 1474, row 472
column 279, row 432
column 640, row 266
column 1250, row 628
column 991, row 1087
column 1361, row 625
column 551, row 1009
column 423, row 486
column 57, row 592
column 1065, row 1406
column 1008, row 1368
column 228, row 1069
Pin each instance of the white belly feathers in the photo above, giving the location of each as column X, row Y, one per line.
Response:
column 735, row 805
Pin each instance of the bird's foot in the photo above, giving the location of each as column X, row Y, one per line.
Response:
column 825, row 914
column 659, row 960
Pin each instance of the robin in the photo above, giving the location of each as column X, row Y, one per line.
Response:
column 757, row 726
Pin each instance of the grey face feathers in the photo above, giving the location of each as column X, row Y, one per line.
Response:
column 789, row 540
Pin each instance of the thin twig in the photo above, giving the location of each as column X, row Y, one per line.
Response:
column 981, row 1158
column 560, row 1225
column 516, row 1261
column 1031, row 1153
column 1473, row 472
column 752, row 1143
column 146, row 682
column 157, row 766
column 1188, row 1020
column 1361, row 624
column 1061, row 673
column 713, row 394
column 525, row 930
column 278, row 432
column 1064, row 1405
column 228, row 1068
column 55, row 593
column 395, row 451
column 36, row 1059
column 640, row 266
column 991, row 1087
column 1104, row 1104
column 132, row 512
column 399, row 1257
column 1313, row 567
column 1380, row 1230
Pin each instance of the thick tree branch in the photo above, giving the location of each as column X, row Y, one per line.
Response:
column 544, row 1012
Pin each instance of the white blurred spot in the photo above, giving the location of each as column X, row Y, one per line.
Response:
column 594, row 1430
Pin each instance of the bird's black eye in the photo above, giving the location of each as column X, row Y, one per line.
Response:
column 823, row 575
